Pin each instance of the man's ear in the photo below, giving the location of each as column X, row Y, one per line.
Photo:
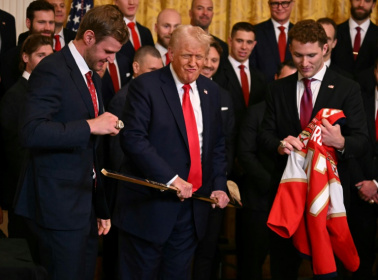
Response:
column 89, row 38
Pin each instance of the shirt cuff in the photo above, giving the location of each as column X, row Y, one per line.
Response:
column 171, row 181
column 376, row 184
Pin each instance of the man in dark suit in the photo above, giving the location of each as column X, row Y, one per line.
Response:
column 61, row 194
column 178, row 143
column 362, row 217
column 166, row 22
column 39, row 20
column 287, row 113
column 201, row 14
column 204, row 265
column 229, row 75
column 357, row 39
column 139, row 34
column 272, row 46
column 7, row 32
column 254, row 190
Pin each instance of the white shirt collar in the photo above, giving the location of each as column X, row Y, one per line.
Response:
column 178, row 83
column 276, row 24
column 327, row 63
column 235, row 64
column 26, row 75
column 83, row 67
column 318, row 76
column 364, row 26
column 161, row 49
column 128, row 21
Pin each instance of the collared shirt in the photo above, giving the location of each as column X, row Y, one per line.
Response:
column 162, row 52
column 26, row 75
column 327, row 63
column 352, row 29
column 235, row 64
column 277, row 31
column 196, row 104
column 136, row 29
column 61, row 39
column 83, row 67
column 315, row 86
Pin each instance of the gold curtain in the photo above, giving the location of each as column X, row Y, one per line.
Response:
column 228, row 12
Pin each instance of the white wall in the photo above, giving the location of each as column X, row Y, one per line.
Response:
column 17, row 8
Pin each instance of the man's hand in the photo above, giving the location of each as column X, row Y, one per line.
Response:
column 185, row 188
column 104, row 124
column 103, row 226
column 221, row 198
column 331, row 135
column 289, row 144
column 366, row 189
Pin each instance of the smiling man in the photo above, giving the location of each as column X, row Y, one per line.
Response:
column 172, row 135
column 357, row 46
column 288, row 112
column 61, row 194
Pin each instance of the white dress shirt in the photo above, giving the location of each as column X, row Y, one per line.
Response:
column 235, row 64
column 353, row 32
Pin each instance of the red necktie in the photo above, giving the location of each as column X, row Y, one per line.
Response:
column 58, row 46
column 244, row 84
column 376, row 127
column 306, row 103
column 195, row 172
column 114, row 75
column 357, row 43
column 134, row 35
column 282, row 43
column 167, row 60
column 92, row 91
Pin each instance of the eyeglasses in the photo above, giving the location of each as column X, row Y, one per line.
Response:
column 283, row 4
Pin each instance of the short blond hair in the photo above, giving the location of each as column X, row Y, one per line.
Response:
column 186, row 32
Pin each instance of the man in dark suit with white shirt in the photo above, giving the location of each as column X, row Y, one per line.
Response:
column 60, row 192
column 287, row 113
column 172, row 135
column 357, row 38
column 272, row 45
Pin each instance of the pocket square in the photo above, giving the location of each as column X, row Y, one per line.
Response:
column 224, row 108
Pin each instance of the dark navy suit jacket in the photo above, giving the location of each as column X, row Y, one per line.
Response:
column 56, row 187
column 155, row 142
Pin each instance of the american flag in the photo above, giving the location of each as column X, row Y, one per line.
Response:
column 78, row 10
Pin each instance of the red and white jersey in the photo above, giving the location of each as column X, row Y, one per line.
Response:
column 309, row 202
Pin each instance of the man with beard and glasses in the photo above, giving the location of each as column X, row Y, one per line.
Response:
column 201, row 14
column 39, row 20
column 357, row 38
column 167, row 21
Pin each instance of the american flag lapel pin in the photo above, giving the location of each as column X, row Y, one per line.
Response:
column 205, row 91
column 331, row 86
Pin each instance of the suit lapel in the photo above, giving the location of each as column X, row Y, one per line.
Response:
column 78, row 80
column 204, row 95
column 173, row 100
column 325, row 92
column 234, row 82
column 272, row 41
column 291, row 100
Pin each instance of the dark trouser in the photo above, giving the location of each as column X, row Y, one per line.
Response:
column 143, row 260
column 67, row 254
column 204, row 257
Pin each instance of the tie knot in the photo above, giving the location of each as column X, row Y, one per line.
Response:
column 131, row 25
column 88, row 75
column 56, row 37
column 281, row 28
column 186, row 88
column 241, row 66
column 358, row 29
column 307, row 82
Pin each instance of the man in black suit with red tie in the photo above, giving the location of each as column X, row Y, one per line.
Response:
column 139, row 34
column 272, row 45
column 61, row 194
column 291, row 103
column 357, row 38
column 172, row 135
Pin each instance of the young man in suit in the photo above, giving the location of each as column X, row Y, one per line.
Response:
column 39, row 20
column 246, row 85
column 60, row 193
column 291, row 106
column 172, row 135
column 34, row 49
column 167, row 21
column 139, row 34
column 357, row 39
column 201, row 14
column 62, row 36
column 272, row 45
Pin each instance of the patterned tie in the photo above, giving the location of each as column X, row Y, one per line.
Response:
column 244, row 84
column 114, row 75
column 92, row 91
column 58, row 46
column 134, row 35
column 167, row 60
column 357, row 43
column 195, row 172
column 306, row 103
column 282, row 43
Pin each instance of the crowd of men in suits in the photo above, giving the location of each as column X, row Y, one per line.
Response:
column 242, row 126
